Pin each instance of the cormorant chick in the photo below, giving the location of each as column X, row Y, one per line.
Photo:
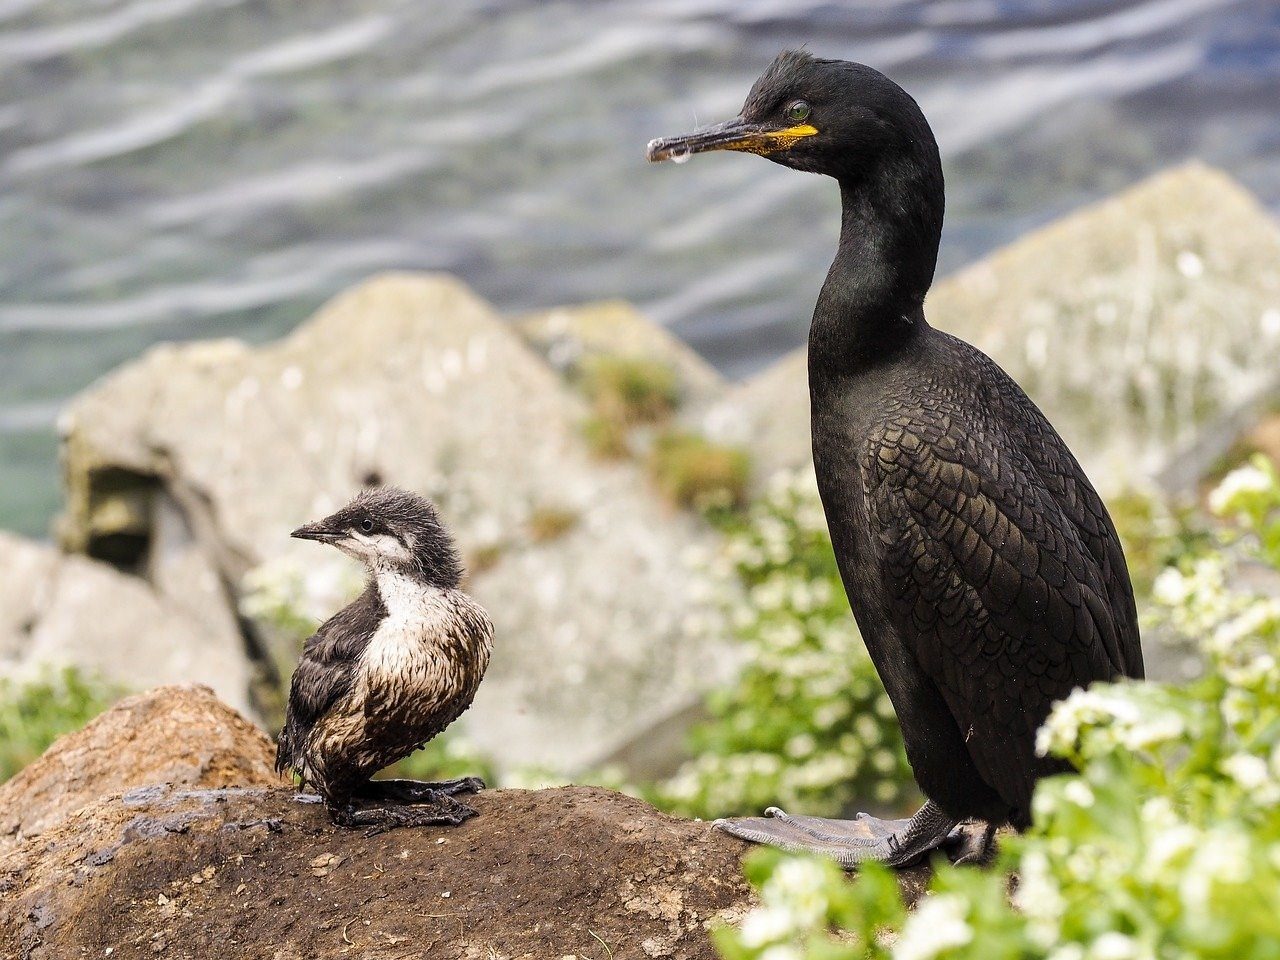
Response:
column 981, row 565
column 389, row 671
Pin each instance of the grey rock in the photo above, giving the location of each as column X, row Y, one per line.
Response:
column 565, row 336
column 59, row 609
column 221, row 449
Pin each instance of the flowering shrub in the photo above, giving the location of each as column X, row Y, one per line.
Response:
column 1165, row 845
column 807, row 723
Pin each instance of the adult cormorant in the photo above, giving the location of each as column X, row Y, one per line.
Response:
column 389, row 671
column 982, row 568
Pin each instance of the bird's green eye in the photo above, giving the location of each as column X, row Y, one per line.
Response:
column 366, row 525
column 798, row 111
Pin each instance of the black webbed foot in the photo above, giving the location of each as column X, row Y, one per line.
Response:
column 897, row 843
column 433, row 810
column 417, row 791
column 972, row 843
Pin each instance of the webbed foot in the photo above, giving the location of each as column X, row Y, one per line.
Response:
column 897, row 843
column 972, row 843
column 432, row 810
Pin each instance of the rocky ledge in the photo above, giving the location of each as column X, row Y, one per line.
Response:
column 219, row 859
column 160, row 830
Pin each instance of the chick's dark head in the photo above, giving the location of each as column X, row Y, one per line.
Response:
column 389, row 529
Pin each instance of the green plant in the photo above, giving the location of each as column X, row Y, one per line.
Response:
column 551, row 523
column 630, row 390
column 1166, row 844
column 806, row 724
column 695, row 472
column 36, row 712
column 444, row 758
column 1154, row 533
column 606, row 439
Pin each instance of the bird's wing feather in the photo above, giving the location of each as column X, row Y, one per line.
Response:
column 1071, row 489
column 1004, row 606
column 325, row 672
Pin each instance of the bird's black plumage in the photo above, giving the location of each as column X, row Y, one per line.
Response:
column 981, row 565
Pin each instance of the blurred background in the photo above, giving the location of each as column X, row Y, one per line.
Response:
column 601, row 379
column 179, row 169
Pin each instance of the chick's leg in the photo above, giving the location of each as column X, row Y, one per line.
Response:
column 433, row 810
column 417, row 791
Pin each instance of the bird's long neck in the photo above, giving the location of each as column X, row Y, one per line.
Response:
column 871, row 304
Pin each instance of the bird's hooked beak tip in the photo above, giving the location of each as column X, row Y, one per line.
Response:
column 316, row 531
column 737, row 134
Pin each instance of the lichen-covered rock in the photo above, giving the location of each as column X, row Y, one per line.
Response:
column 411, row 380
column 568, row 336
column 65, row 609
column 1133, row 323
column 181, row 735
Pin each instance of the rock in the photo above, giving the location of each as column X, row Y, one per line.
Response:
column 182, row 736
column 219, row 861
column 197, row 873
column 58, row 609
column 1133, row 323
column 213, row 452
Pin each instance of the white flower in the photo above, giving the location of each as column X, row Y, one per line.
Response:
column 1079, row 793
column 1039, row 898
column 1247, row 770
column 798, row 886
column 1171, row 587
column 1114, row 946
column 938, row 925
column 1125, row 716
column 1244, row 481
column 1167, row 845
column 765, row 925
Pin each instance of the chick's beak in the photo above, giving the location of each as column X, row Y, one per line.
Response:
column 737, row 134
column 320, row 530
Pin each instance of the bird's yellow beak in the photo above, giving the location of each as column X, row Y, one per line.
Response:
column 736, row 134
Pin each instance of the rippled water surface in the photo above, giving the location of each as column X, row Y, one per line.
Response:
column 172, row 169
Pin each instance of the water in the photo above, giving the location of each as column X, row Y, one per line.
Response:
column 172, row 169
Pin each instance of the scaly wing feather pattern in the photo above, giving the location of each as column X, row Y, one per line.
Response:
column 1066, row 480
column 990, row 584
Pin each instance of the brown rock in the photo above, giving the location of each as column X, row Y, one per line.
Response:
column 180, row 735
column 223, row 860
column 251, row 873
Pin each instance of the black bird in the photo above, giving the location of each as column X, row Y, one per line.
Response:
column 982, row 568
column 388, row 672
